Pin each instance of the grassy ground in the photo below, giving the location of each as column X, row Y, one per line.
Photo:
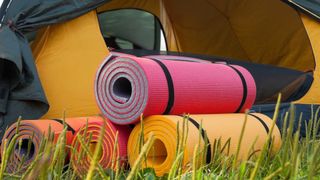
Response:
column 298, row 158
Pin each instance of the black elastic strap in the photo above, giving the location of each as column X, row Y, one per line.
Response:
column 261, row 121
column 245, row 88
column 170, row 86
column 204, row 136
column 69, row 128
column 265, row 127
column 181, row 60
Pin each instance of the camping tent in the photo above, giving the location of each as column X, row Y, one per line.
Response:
column 271, row 38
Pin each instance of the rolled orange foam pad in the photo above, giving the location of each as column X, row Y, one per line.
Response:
column 36, row 130
column 108, row 157
column 217, row 127
column 127, row 87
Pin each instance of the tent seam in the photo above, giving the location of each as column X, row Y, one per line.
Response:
column 232, row 29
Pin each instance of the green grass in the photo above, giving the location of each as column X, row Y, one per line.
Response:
column 298, row 158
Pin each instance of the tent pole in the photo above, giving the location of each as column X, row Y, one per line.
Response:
column 3, row 10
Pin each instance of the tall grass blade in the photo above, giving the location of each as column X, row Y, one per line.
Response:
column 144, row 151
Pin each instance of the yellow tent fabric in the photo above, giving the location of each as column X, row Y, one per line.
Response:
column 313, row 29
column 67, row 58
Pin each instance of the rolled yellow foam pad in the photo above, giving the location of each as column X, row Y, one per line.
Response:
column 220, row 127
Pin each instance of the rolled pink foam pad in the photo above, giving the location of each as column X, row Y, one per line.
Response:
column 128, row 86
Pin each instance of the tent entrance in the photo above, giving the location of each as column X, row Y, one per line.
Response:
column 279, row 57
column 262, row 32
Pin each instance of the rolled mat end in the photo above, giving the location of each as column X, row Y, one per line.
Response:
column 80, row 159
